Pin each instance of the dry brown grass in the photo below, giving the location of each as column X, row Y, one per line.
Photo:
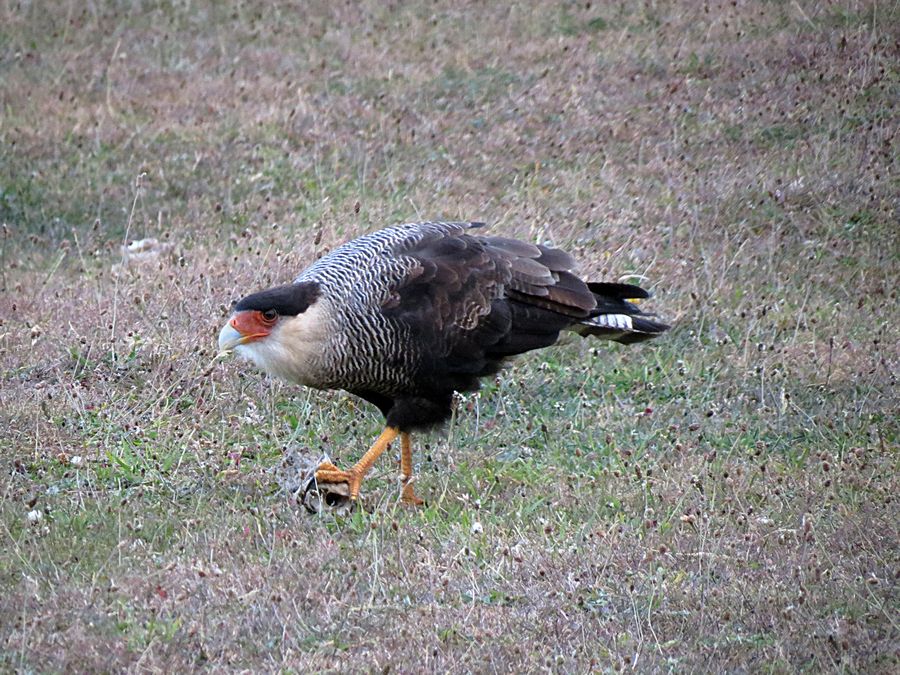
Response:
column 722, row 499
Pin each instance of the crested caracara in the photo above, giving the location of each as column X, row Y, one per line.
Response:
column 405, row 316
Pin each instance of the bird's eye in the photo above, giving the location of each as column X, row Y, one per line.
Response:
column 270, row 315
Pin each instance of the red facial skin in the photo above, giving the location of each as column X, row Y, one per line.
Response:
column 252, row 325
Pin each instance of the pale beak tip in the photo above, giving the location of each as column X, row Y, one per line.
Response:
column 229, row 338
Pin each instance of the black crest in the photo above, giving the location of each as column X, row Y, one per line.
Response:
column 287, row 300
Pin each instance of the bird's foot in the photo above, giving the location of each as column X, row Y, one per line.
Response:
column 407, row 495
column 327, row 472
column 332, row 487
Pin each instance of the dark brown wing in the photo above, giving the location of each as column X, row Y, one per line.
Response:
column 472, row 300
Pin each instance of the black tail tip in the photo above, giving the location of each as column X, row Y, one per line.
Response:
column 618, row 291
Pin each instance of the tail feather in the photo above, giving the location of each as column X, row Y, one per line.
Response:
column 617, row 291
column 617, row 319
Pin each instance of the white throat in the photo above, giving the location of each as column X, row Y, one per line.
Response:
column 294, row 349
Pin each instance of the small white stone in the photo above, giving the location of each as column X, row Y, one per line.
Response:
column 35, row 516
column 477, row 528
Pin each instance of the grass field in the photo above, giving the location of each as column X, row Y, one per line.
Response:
column 724, row 498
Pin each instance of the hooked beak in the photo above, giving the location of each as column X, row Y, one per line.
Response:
column 242, row 327
column 229, row 338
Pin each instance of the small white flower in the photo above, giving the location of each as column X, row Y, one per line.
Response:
column 76, row 461
column 477, row 528
column 35, row 516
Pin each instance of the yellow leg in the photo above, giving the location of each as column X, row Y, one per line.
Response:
column 329, row 473
column 408, row 496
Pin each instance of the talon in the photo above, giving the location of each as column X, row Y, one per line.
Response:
column 408, row 496
column 327, row 486
column 327, row 472
column 332, row 476
column 327, row 465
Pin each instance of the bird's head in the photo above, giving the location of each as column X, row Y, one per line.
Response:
column 278, row 329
